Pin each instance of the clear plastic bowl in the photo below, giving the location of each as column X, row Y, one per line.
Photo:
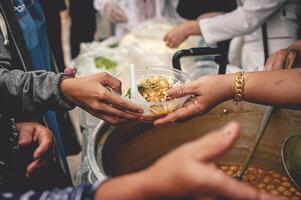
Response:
column 153, row 111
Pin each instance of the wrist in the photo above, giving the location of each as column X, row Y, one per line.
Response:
column 66, row 89
column 66, row 82
column 229, row 83
column 193, row 28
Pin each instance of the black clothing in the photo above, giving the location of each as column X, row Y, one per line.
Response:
column 83, row 24
column 52, row 9
column 191, row 9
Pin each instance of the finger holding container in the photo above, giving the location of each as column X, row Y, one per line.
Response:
column 153, row 85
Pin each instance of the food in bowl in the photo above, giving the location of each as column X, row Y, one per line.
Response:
column 265, row 181
column 153, row 85
column 154, row 89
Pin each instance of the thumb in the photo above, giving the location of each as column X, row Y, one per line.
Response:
column 217, row 143
column 183, row 90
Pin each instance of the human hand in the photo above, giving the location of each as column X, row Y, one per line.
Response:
column 92, row 94
column 114, row 12
column 31, row 133
column 283, row 58
column 180, row 33
column 187, row 172
column 207, row 91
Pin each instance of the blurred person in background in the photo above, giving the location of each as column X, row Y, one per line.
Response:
column 126, row 14
column 52, row 10
column 249, row 25
column 83, row 24
column 192, row 9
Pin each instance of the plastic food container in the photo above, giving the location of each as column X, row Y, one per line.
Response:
column 153, row 111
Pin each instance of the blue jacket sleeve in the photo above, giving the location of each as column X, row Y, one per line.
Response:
column 82, row 192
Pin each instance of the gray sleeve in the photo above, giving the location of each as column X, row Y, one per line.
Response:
column 28, row 92
column 37, row 91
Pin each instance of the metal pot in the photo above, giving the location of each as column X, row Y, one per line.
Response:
column 120, row 150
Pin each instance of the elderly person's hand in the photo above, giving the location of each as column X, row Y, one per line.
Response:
column 180, row 33
column 99, row 94
column 34, row 134
column 187, row 172
column 281, row 59
column 207, row 91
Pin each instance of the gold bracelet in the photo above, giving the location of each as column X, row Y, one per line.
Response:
column 239, row 87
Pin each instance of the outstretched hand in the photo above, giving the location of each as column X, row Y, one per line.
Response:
column 99, row 94
column 180, row 33
column 187, row 172
column 207, row 92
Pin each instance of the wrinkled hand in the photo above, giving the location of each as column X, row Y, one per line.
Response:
column 207, row 91
column 92, row 94
column 114, row 12
column 187, row 172
column 281, row 59
column 180, row 33
column 31, row 133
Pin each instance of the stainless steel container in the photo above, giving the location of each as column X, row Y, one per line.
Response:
column 119, row 150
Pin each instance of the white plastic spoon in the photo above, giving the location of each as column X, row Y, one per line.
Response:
column 135, row 94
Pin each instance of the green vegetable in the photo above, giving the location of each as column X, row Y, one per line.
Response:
column 103, row 62
column 112, row 46
column 128, row 93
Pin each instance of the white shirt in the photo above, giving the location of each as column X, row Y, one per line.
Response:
column 138, row 11
column 281, row 17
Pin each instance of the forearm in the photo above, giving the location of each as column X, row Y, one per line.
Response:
column 33, row 91
column 278, row 88
column 133, row 186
